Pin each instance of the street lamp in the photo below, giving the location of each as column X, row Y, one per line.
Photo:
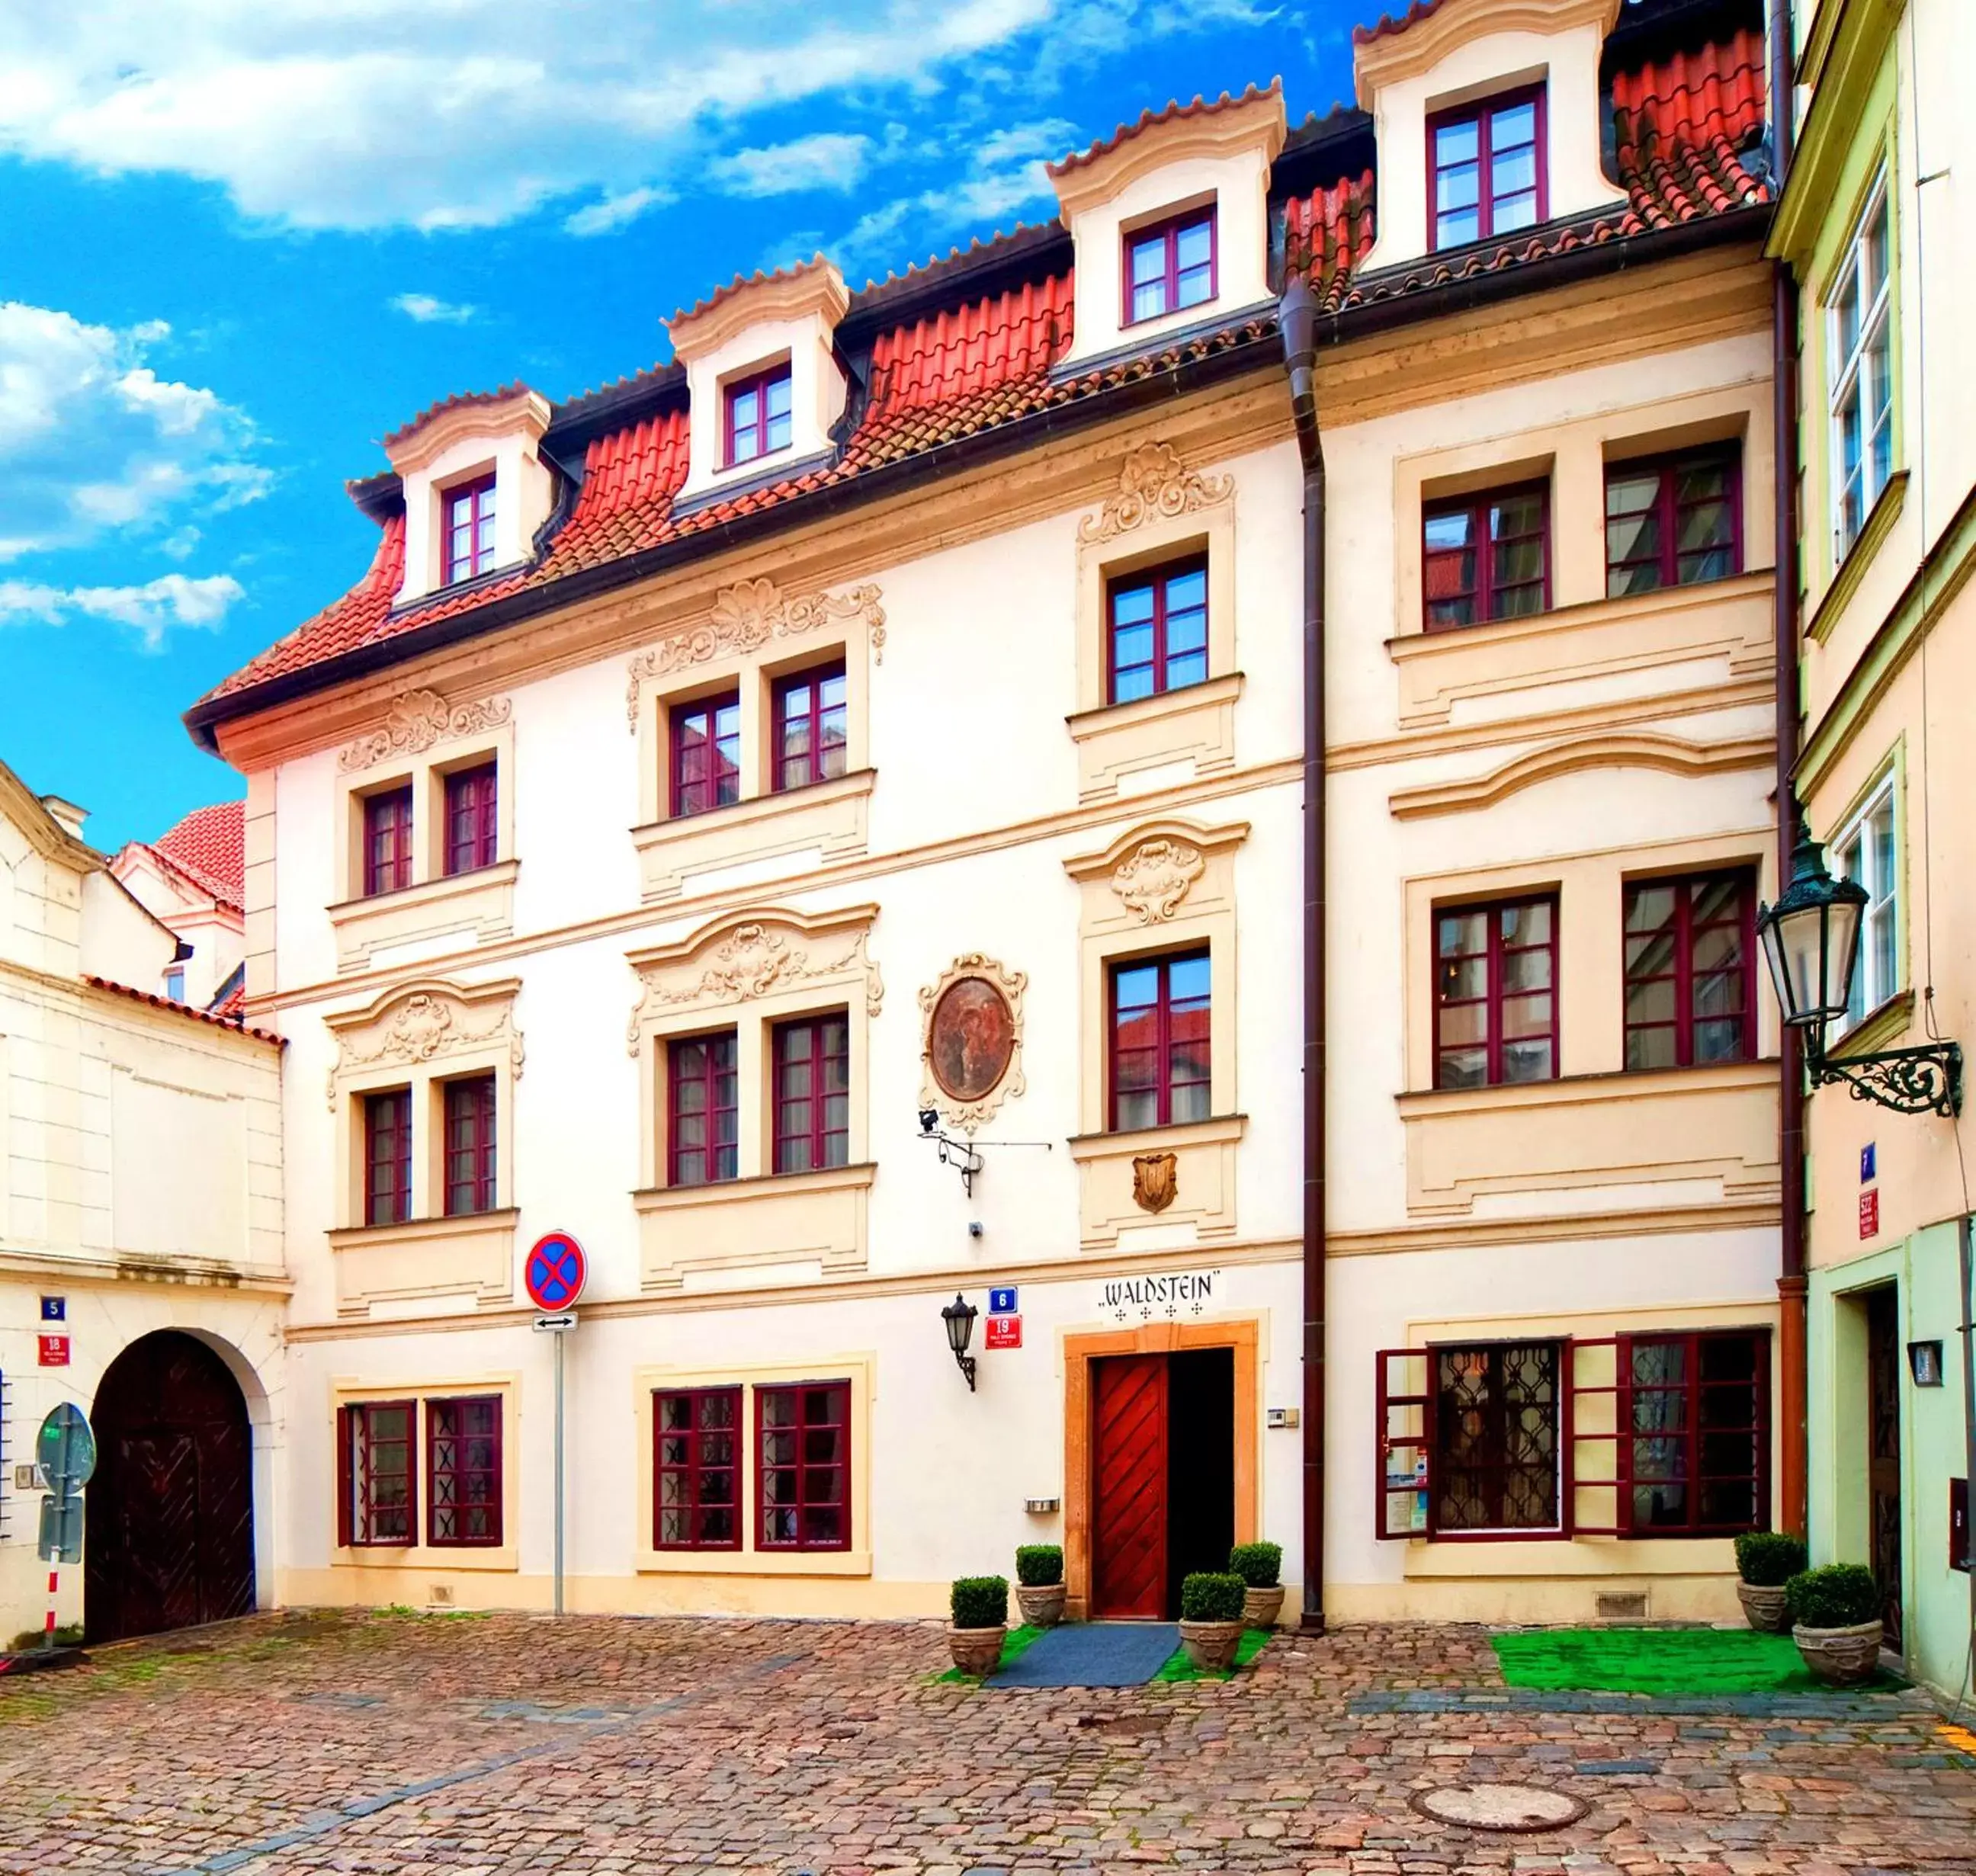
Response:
column 1811, row 943
column 958, row 1316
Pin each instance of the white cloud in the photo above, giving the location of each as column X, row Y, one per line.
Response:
column 616, row 211
column 427, row 310
column 829, row 159
column 150, row 610
column 92, row 439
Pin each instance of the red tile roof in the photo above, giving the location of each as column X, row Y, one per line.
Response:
column 211, row 1017
column 209, row 847
column 1174, row 111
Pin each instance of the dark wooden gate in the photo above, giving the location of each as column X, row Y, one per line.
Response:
column 169, row 1530
column 1128, row 1471
column 1883, row 1452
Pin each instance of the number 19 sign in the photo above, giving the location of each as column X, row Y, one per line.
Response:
column 555, row 1272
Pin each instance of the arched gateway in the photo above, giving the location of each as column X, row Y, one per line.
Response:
column 169, row 1535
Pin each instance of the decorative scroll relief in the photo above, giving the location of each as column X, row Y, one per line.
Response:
column 971, row 1040
column 1152, row 879
column 753, row 960
column 422, row 1026
column 746, row 617
column 417, row 721
column 1153, row 481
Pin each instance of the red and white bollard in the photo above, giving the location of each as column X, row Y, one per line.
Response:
column 48, row 1634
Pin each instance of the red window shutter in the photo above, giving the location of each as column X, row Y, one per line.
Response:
column 1597, row 1412
column 1403, row 1457
column 346, row 1523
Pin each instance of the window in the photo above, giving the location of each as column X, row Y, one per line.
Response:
column 1487, row 556
column 387, row 842
column 377, row 1500
column 809, row 728
column 812, row 1071
column 1496, row 1448
column 758, row 415
column 1865, row 852
column 1159, row 630
column 175, row 983
column 463, row 1471
column 469, row 529
column 1696, row 1409
column 1160, row 1016
column 707, row 755
column 469, row 1146
column 387, row 1157
column 803, row 1466
column 1170, row 266
column 1860, row 359
column 1495, row 995
column 704, row 1083
column 473, row 829
column 1689, row 944
column 1487, row 165
column 1673, row 522
column 697, row 1469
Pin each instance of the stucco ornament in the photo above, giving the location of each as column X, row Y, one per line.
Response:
column 971, row 1040
column 743, row 618
column 1155, row 1180
column 1152, row 879
column 421, row 1027
column 1153, row 481
column 419, row 720
column 752, row 960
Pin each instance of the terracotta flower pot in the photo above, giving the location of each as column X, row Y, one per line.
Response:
column 1763, row 1607
column 1845, row 1656
column 1211, row 1646
column 976, row 1650
column 1260, row 1607
column 1041, row 1604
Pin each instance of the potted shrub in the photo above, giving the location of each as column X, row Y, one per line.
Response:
column 1210, row 1618
column 1039, row 1583
column 1766, row 1561
column 1836, row 1621
column 1260, row 1566
column 980, row 1607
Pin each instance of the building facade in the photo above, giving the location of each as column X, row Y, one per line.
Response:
column 820, row 823
column 1873, row 232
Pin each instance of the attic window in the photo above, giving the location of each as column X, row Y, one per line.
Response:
column 1170, row 265
column 1487, row 165
column 758, row 420
column 470, row 528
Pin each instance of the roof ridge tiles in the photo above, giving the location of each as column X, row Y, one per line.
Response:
column 459, row 400
column 760, row 277
column 1171, row 112
column 1385, row 26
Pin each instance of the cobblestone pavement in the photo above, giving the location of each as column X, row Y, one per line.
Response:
column 489, row 1746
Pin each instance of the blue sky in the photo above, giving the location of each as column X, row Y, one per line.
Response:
column 240, row 240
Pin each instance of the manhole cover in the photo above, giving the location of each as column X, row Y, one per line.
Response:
column 1500, row 1807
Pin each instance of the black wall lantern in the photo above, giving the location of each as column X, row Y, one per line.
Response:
column 1925, row 1363
column 958, row 1316
column 1811, row 943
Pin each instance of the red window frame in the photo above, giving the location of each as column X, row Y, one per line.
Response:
column 1486, row 595
column 1685, row 930
column 1164, row 1046
column 785, row 1484
column 472, row 823
column 1167, row 233
column 464, row 560
column 760, row 432
column 819, row 1046
column 1670, row 513
column 698, row 1474
column 470, row 1145
column 387, row 841
column 1690, row 1465
column 1159, row 581
column 387, row 1157
column 707, row 1091
column 463, row 1472
column 1481, row 114
column 1497, row 991
column 360, row 1507
column 801, row 710
column 696, row 730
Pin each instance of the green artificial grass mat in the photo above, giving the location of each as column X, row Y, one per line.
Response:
column 1656, row 1660
column 1178, row 1667
column 1013, row 1643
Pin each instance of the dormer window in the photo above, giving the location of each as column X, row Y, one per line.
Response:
column 1486, row 166
column 759, row 415
column 469, row 529
column 1170, row 265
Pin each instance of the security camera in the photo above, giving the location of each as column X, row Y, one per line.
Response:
column 974, row 1227
column 929, row 1119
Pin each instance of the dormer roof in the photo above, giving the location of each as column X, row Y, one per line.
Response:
column 1204, row 127
column 514, row 408
column 1431, row 30
column 812, row 286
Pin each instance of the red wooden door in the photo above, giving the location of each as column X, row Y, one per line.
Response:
column 1129, row 1473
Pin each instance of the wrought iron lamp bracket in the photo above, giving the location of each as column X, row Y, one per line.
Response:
column 1926, row 1080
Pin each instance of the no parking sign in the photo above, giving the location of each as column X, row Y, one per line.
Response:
column 555, row 1273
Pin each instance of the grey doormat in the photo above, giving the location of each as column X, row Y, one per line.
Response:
column 1092, row 1655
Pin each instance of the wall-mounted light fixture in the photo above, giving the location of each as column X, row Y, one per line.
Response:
column 958, row 1316
column 1925, row 1363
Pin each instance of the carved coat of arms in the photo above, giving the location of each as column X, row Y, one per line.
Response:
column 1155, row 1180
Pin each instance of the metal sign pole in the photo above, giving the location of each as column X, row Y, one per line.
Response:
column 48, row 1634
column 558, row 1341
